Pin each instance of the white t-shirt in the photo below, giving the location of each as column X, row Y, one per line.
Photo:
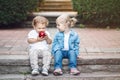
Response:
column 38, row 45
column 66, row 41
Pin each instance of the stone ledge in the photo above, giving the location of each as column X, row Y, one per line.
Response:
column 54, row 14
column 24, row 50
column 10, row 64
column 82, row 76
column 89, row 59
column 12, row 77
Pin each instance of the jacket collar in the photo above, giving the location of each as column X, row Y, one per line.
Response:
column 71, row 33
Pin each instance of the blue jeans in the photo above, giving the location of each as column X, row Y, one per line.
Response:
column 70, row 55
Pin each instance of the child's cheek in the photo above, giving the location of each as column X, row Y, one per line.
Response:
column 63, row 28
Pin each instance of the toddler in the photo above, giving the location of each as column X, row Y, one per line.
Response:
column 65, row 45
column 39, row 40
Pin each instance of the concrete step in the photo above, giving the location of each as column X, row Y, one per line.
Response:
column 56, row 6
column 57, row 0
column 54, row 14
column 16, row 64
column 55, row 9
column 49, row 4
column 82, row 76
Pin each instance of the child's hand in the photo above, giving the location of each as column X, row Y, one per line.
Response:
column 49, row 41
column 46, row 37
column 40, row 38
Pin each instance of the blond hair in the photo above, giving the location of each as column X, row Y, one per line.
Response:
column 40, row 19
column 64, row 18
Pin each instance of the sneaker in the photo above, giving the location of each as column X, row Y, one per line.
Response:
column 74, row 71
column 44, row 72
column 35, row 72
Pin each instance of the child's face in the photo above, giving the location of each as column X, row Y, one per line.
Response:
column 61, row 27
column 40, row 27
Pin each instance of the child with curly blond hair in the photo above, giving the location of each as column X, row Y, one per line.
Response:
column 39, row 40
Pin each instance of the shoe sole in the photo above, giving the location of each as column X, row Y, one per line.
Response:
column 35, row 74
column 44, row 74
column 57, row 74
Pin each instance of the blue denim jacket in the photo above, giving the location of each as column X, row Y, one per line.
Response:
column 58, row 42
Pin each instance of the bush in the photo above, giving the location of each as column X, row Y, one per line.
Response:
column 14, row 11
column 100, row 12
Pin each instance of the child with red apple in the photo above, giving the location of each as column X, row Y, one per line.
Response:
column 39, row 40
column 65, row 45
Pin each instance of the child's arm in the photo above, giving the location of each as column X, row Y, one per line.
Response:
column 49, row 41
column 33, row 40
column 55, row 45
column 77, row 42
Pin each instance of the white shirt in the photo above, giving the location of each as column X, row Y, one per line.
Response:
column 38, row 45
column 66, row 40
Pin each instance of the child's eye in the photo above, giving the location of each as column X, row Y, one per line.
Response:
column 42, row 23
column 43, row 28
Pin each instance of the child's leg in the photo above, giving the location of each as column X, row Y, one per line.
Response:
column 58, row 63
column 72, row 59
column 58, row 59
column 33, row 54
column 46, row 59
column 46, row 62
column 73, row 63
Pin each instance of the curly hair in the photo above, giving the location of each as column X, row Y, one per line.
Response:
column 40, row 19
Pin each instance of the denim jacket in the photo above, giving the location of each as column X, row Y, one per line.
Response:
column 58, row 42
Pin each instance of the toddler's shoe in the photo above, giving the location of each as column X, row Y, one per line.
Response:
column 44, row 72
column 74, row 71
column 57, row 72
column 35, row 72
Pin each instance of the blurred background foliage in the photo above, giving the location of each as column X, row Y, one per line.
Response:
column 15, row 11
column 98, row 12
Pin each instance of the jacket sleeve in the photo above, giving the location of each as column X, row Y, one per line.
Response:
column 55, row 45
column 77, row 42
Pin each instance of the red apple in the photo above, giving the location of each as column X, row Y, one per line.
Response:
column 42, row 34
